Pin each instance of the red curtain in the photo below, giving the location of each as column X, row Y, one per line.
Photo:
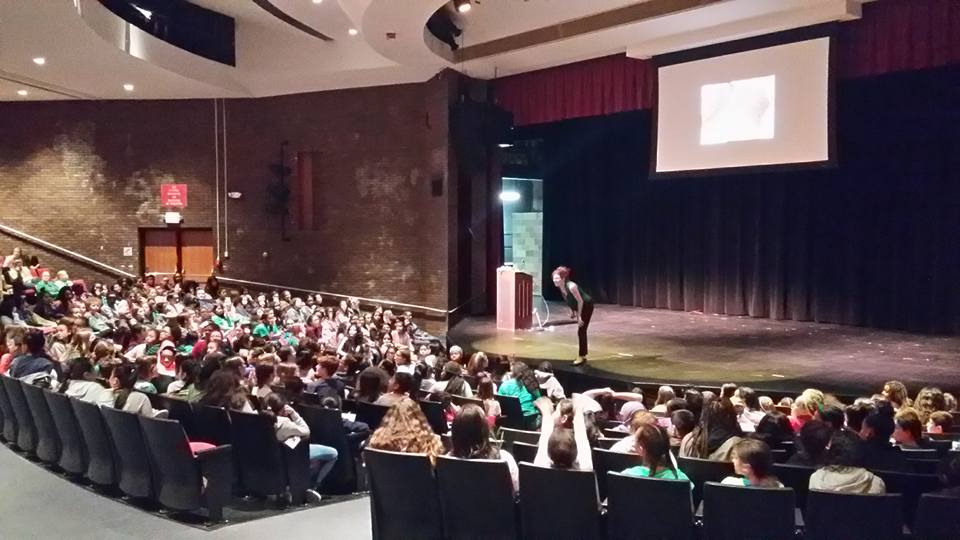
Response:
column 893, row 35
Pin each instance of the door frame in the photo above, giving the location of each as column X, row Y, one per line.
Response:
column 141, row 234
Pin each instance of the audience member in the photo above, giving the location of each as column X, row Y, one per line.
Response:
column 470, row 439
column 813, row 440
column 715, row 435
column 653, row 447
column 753, row 461
column 523, row 385
column 664, row 394
column 876, row 432
column 774, row 429
column 844, row 471
column 290, row 429
column 896, row 393
column 908, row 429
column 940, row 422
column 561, row 447
column 405, row 429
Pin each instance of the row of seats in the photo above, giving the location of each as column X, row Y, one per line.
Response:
column 468, row 499
column 149, row 458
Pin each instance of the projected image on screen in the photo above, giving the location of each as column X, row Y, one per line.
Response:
column 738, row 110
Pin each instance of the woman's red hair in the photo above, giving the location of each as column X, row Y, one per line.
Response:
column 563, row 272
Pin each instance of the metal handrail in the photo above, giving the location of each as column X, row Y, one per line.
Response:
column 62, row 250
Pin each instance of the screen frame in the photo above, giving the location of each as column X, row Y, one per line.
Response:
column 806, row 33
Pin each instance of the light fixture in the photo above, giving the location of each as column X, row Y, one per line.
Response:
column 462, row 6
column 22, row 92
column 505, row 145
column 39, row 60
column 353, row 31
column 317, row 1
column 147, row 14
column 509, row 196
column 128, row 87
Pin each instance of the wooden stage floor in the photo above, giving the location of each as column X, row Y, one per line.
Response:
column 652, row 345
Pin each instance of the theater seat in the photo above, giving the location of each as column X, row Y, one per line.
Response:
column 48, row 438
column 734, row 512
column 404, row 502
column 134, row 476
column 606, row 461
column 101, row 464
column 493, row 515
column 701, row 471
column 831, row 516
column 558, row 504
column 73, row 451
column 267, row 466
column 938, row 518
column 26, row 429
column 9, row 424
column 640, row 507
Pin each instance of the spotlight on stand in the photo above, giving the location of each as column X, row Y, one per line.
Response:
column 462, row 6
column 442, row 27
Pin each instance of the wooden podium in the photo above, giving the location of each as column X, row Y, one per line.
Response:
column 514, row 299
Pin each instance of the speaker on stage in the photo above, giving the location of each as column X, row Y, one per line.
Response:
column 514, row 299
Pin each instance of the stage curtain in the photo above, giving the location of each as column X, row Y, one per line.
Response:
column 594, row 87
column 871, row 242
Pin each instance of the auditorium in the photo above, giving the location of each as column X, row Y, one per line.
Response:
column 480, row 269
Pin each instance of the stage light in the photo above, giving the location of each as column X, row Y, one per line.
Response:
column 505, row 145
column 22, row 92
column 39, row 60
column 509, row 196
column 128, row 87
column 317, row 1
column 462, row 6
column 353, row 31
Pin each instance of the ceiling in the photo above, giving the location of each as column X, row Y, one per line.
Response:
column 96, row 53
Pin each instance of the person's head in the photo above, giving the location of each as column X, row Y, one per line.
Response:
column 265, row 372
column 525, row 376
column 35, row 343
column 683, row 422
column 718, row 417
column 774, row 429
column 146, row 367
column 14, row 340
column 857, row 412
column 402, row 357
column 950, row 402
column 803, row 408
column 187, row 368
column 211, row 364
column 665, row 394
column 470, row 434
column 637, row 420
column 750, row 398
column 369, row 385
column 405, row 429
column 908, row 429
column 694, row 400
column 456, row 354
column 728, row 390
column 878, row 426
column 753, row 460
column 845, row 450
column 327, row 367
column 653, row 446
column 832, row 415
column 126, row 377
column 929, row 399
column 485, row 388
column 478, row 363
column 676, row 404
column 562, row 449
column 77, row 369
column 939, row 422
column 814, row 437
column 45, row 275
column 896, row 393
column 402, row 383
column 223, row 390
column 560, row 275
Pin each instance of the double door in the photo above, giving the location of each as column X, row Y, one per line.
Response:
column 187, row 251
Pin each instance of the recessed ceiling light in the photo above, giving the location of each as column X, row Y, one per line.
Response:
column 317, row 1
column 39, row 60
column 505, row 145
column 509, row 196
column 22, row 92
column 353, row 31
column 128, row 87
column 463, row 6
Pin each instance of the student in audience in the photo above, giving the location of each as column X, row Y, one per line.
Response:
column 653, row 447
column 370, row 384
column 15, row 345
column 126, row 397
column 832, row 415
column 633, row 402
column 812, row 442
column 857, row 412
column 485, row 392
column 146, row 372
column 766, row 404
column 326, row 383
column 682, row 422
column 456, row 354
column 34, row 363
column 752, row 412
column 523, row 385
column 224, row 390
column 452, row 381
column 561, row 447
column 290, row 429
column 896, row 393
column 876, row 432
column 187, row 369
column 940, row 422
column 405, row 429
column 908, row 429
column 715, row 435
column 664, row 394
column 694, row 399
column 401, row 385
column 265, row 375
column 639, row 419
column 81, row 383
column 753, row 461
column 549, row 385
column 929, row 400
column 844, row 471
column 950, row 402
column 802, row 411
column 470, row 439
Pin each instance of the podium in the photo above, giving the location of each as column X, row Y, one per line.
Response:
column 514, row 299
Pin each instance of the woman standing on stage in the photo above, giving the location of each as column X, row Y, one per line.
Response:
column 581, row 306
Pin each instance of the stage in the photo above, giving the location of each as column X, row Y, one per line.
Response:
column 633, row 344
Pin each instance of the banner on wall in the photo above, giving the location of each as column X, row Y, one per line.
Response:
column 173, row 195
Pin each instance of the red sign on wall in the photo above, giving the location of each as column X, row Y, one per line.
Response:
column 173, row 195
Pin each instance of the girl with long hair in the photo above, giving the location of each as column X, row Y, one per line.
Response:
column 653, row 446
column 523, row 385
column 715, row 435
column 470, row 438
column 405, row 429
column 126, row 398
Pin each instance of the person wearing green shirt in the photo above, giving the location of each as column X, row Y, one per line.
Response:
column 45, row 286
column 653, row 447
column 268, row 326
column 523, row 385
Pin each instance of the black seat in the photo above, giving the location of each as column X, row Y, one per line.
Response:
column 607, row 443
column 833, row 515
column 797, row 478
column 101, row 466
column 938, row 518
column 371, row 414
column 326, row 428
column 512, row 413
column 640, row 508
column 910, row 486
column 605, row 461
column 433, row 410
column 615, row 434
column 48, row 439
column 134, row 476
column 492, row 516
column 26, row 429
column 210, row 425
column 748, row 513
column 701, row 471
column 524, row 452
column 179, row 410
column 510, row 436
column 558, row 504
column 920, row 453
column 184, row 481
column 395, row 513
column 267, row 466
column 9, row 420
column 73, row 451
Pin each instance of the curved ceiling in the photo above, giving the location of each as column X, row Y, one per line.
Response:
column 97, row 53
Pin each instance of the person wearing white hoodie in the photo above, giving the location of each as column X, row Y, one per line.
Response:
column 549, row 384
column 290, row 429
column 844, row 472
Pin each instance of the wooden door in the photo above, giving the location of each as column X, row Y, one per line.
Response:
column 159, row 251
column 196, row 253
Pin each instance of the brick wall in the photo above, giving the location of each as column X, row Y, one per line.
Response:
column 86, row 175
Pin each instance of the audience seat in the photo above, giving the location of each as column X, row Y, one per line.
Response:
column 523, row 452
column 267, row 466
column 134, row 475
column 179, row 410
column 26, row 429
column 910, row 487
column 371, row 414
column 607, row 443
column 404, row 501
column 185, row 481
column 737, row 512
column 648, row 508
column 832, row 516
column 326, row 428
column 615, row 434
column 101, row 464
column 558, row 504
column 73, row 451
column 512, row 413
column 9, row 424
column 701, row 471
column 48, row 438
column 210, row 425
column 433, row 410
column 797, row 478
column 605, row 460
column 510, row 435
column 938, row 518
column 492, row 515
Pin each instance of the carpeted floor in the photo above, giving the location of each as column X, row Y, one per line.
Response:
column 633, row 344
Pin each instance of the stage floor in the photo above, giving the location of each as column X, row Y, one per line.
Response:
column 634, row 344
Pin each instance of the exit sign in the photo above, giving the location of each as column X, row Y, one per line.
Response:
column 173, row 195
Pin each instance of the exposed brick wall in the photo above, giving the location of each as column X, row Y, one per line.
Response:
column 86, row 175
